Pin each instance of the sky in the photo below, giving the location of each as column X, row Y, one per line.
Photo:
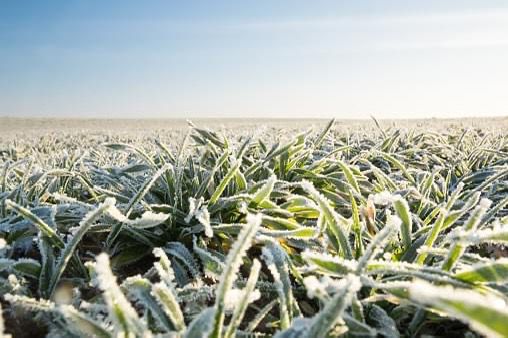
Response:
column 258, row 59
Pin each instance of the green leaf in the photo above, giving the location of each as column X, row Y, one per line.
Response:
column 350, row 177
column 78, row 322
column 49, row 233
column 233, row 262
column 379, row 241
column 486, row 314
column 379, row 319
column 127, row 321
column 134, row 200
column 69, row 248
column 302, row 232
column 141, row 290
column 471, row 224
column 243, row 303
column 402, row 208
column 276, row 260
column 335, row 222
column 265, row 191
column 225, row 180
column 492, row 272
column 81, row 323
column 330, row 264
column 432, row 236
column 319, row 140
column 169, row 304
column 327, row 318
column 201, row 325
column 27, row 267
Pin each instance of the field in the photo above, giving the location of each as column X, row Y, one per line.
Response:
column 223, row 228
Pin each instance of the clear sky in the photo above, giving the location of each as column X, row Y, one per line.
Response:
column 263, row 58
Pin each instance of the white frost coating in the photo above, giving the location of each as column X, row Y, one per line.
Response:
column 498, row 233
column 354, row 283
column 199, row 211
column 315, row 289
column 424, row 249
column 105, row 277
column 3, row 244
column 485, row 203
column 163, row 267
column 393, row 222
column 158, row 252
column 203, row 216
column 234, row 295
column 29, row 303
column 255, row 295
column 194, row 204
column 233, row 160
column 148, row 219
column 52, row 215
column 243, row 209
column 378, row 266
column 333, row 285
column 387, row 256
column 396, row 197
column 306, row 185
column 383, row 198
column 145, row 188
column 14, row 283
column 386, row 285
column 326, row 286
column 237, row 197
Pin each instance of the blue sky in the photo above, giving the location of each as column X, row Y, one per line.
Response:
column 345, row 59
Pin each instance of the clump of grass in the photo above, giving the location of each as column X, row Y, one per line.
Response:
column 376, row 232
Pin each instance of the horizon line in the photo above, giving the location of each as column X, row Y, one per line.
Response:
column 370, row 117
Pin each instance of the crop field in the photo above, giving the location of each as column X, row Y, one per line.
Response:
column 254, row 229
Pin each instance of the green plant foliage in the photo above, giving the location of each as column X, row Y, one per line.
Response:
column 369, row 232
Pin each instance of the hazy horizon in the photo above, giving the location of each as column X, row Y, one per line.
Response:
column 263, row 59
column 239, row 117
